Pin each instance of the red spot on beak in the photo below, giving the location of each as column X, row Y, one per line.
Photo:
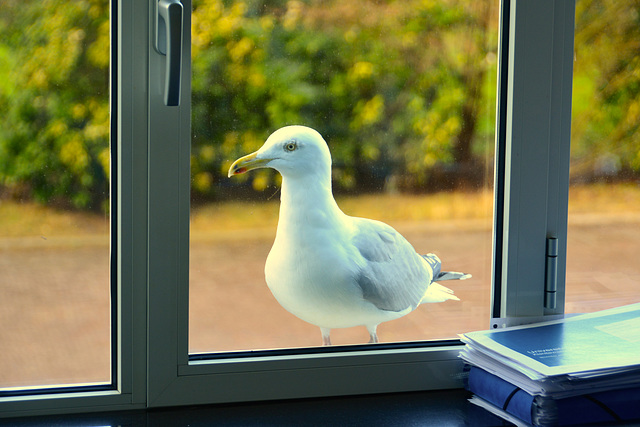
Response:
column 241, row 170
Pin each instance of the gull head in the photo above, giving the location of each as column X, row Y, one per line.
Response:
column 294, row 151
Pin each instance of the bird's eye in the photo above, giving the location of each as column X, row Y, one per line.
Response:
column 290, row 146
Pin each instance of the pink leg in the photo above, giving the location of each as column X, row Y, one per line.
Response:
column 373, row 336
column 326, row 338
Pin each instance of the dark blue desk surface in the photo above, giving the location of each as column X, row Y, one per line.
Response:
column 435, row 408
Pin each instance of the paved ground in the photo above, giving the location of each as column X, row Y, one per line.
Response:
column 54, row 309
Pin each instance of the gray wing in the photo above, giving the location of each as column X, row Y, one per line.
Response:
column 394, row 277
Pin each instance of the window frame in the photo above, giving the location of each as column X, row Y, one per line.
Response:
column 152, row 191
column 534, row 132
column 545, row 28
column 129, row 135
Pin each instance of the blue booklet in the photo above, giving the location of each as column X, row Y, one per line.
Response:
column 504, row 399
column 579, row 347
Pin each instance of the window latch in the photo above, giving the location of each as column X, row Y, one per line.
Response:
column 169, row 43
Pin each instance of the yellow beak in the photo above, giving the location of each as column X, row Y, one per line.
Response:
column 247, row 163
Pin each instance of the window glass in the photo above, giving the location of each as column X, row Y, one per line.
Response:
column 604, row 196
column 404, row 95
column 55, row 313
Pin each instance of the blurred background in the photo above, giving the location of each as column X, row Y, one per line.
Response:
column 403, row 92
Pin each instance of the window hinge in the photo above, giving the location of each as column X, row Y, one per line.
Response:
column 551, row 278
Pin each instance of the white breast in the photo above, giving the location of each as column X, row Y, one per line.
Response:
column 312, row 282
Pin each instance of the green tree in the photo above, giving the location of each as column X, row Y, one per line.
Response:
column 398, row 91
column 403, row 93
column 606, row 91
column 54, row 96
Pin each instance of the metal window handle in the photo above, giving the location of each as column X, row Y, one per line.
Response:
column 169, row 43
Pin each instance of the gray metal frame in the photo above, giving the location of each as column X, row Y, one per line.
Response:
column 131, row 103
column 153, row 233
column 536, row 141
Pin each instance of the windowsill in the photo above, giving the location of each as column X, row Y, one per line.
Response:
column 444, row 407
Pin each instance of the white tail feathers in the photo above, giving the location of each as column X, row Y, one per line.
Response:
column 438, row 293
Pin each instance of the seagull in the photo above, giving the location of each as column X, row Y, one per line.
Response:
column 328, row 268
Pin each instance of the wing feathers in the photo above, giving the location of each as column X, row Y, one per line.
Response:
column 438, row 293
column 394, row 277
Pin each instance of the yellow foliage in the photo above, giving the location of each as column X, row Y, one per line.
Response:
column 95, row 11
column 40, row 79
column 370, row 151
column 57, row 128
column 96, row 131
column 98, row 126
column 372, row 110
column 260, row 180
column 368, row 113
column 409, row 39
column 212, row 19
column 74, row 154
column 251, row 142
column 79, row 111
column 98, row 52
column 633, row 113
column 225, row 165
column 236, row 73
column 104, row 157
column 429, row 160
column 362, row 70
column 238, row 50
column 257, row 80
column 351, row 35
column 293, row 14
column 266, row 22
column 76, row 36
column 230, row 142
column 231, row 21
column 207, row 153
column 452, row 125
column 202, row 182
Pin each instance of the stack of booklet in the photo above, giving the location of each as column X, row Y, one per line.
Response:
column 574, row 371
